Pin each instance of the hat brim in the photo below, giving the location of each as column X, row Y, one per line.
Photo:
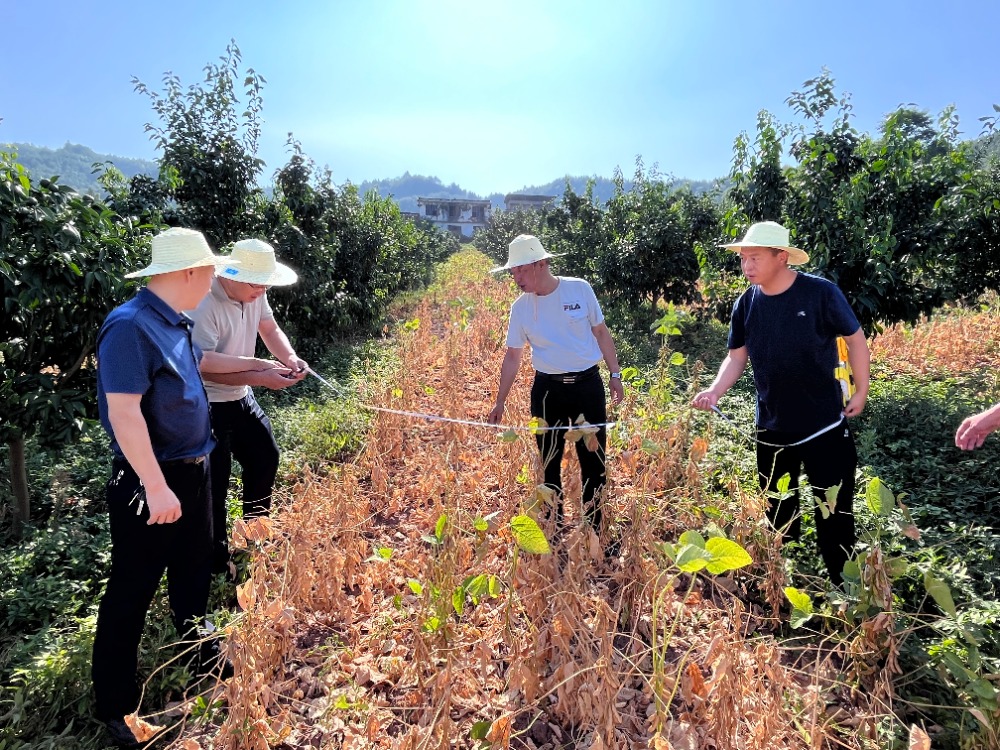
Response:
column 509, row 266
column 282, row 275
column 157, row 269
column 796, row 256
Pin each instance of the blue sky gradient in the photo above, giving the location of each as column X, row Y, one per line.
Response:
column 493, row 96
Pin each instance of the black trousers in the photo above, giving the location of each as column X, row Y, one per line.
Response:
column 827, row 461
column 242, row 431
column 139, row 556
column 561, row 403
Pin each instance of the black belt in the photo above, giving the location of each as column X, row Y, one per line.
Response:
column 567, row 378
column 191, row 460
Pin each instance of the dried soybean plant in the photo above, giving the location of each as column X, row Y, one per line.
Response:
column 390, row 605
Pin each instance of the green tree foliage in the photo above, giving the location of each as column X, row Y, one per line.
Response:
column 901, row 222
column 652, row 232
column 640, row 246
column 61, row 255
column 352, row 254
column 208, row 141
column 578, row 230
column 505, row 226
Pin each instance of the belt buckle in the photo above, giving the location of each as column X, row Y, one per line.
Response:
column 567, row 379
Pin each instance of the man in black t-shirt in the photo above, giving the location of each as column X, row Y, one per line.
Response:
column 786, row 325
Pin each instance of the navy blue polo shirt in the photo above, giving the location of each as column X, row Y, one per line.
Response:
column 792, row 342
column 145, row 347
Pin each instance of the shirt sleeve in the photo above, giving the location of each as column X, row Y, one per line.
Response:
column 126, row 360
column 206, row 327
column 737, row 324
column 839, row 315
column 516, row 335
column 594, row 311
column 266, row 313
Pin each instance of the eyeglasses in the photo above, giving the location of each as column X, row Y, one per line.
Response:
column 263, row 287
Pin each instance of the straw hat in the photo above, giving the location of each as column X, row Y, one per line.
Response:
column 178, row 249
column 524, row 249
column 253, row 262
column 770, row 234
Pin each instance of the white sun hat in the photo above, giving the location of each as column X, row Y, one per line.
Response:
column 253, row 262
column 178, row 249
column 524, row 249
column 770, row 234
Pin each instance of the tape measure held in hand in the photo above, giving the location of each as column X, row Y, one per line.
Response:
column 842, row 372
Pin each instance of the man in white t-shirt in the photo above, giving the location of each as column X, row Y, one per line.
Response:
column 227, row 323
column 562, row 320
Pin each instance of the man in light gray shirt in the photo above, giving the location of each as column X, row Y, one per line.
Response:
column 227, row 323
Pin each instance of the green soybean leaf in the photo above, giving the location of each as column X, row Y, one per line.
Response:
column 529, row 536
column 691, row 558
column 480, row 729
column 692, row 537
column 800, row 600
column 879, row 498
column 726, row 555
column 940, row 593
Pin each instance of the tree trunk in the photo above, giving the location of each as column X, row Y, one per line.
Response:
column 19, row 483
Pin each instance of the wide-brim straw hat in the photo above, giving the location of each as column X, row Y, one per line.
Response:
column 770, row 234
column 178, row 249
column 253, row 262
column 524, row 249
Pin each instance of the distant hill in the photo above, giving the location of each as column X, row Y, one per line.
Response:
column 406, row 189
column 73, row 164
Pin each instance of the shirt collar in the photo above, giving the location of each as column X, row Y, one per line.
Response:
column 168, row 313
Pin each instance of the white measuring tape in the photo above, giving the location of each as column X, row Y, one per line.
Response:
column 815, row 435
column 528, row 428
column 451, row 420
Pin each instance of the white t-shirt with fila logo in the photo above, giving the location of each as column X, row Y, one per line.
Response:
column 558, row 326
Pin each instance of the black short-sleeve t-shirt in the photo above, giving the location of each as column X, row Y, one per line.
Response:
column 792, row 342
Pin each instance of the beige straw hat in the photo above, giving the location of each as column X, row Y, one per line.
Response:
column 770, row 234
column 524, row 249
column 254, row 263
column 178, row 249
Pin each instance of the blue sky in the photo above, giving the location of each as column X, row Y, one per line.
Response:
column 493, row 96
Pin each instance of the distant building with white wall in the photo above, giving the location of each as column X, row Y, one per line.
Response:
column 460, row 216
column 522, row 202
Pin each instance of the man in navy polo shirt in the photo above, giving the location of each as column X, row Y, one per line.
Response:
column 154, row 407
column 786, row 325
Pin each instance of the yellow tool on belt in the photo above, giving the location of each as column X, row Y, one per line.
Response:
column 843, row 372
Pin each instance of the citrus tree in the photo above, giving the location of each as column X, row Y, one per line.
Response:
column 62, row 256
column 207, row 137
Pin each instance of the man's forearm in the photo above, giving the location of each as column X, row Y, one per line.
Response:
column 216, row 363
column 132, row 435
column 277, row 343
column 730, row 371
column 253, row 378
column 508, row 373
column 608, row 349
